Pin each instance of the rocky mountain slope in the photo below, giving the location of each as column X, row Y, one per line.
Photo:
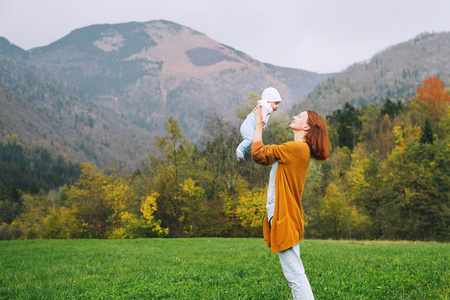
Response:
column 394, row 73
column 147, row 71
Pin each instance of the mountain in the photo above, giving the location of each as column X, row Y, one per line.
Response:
column 103, row 92
column 44, row 111
column 394, row 73
column 147, row 71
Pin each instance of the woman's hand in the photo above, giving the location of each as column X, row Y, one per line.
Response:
column 257, row 112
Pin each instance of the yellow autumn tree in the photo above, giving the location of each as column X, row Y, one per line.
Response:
column 60, row 223
column 148, row 207
column 251, row 207
column 190, row 199
column 88, row 199
column 340, row 217
column 355, row 176
column 44, row 218
column 102, row 203
column 29, row 224
column 403, row 134
column 236, row 185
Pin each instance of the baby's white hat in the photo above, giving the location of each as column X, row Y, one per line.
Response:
column 271, row 95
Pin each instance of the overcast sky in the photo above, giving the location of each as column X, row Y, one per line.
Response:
column 316, row 35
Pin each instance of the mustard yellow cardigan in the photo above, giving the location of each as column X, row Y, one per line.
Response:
column 293, row 161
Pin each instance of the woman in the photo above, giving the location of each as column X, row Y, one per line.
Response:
column 283, row 224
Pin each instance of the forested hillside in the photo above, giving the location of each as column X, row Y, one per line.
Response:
column 24, row 169
column 44, row 111
column 387, row 178
column 394, row 73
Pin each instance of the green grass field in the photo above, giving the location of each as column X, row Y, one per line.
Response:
column 216, row 268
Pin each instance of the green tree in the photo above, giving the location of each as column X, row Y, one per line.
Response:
column 348, row 125
column 218, row 175
column 390, row 108
column 10, row 203
column 314, row 190
column 278, row 131
column 414, row 195
column 245, row 108
column 427, row 135
column 376, row 131
column 175, row 149
column 180, row 197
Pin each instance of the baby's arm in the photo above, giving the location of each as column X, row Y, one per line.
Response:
column 264, row 114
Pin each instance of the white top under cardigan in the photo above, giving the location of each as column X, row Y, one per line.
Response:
column 270, row 206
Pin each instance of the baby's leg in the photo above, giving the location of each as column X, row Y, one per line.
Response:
column 247, row 132
column 245, row 145
column 248, row 127
column 264, row 114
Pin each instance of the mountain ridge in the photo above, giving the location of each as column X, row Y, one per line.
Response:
column 394, row 73
column 147, row 71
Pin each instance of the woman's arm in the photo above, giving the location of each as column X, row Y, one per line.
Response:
column 259, row 151
column 267, row 154
column 259, row 124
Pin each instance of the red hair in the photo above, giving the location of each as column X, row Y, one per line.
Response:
column 317, row 136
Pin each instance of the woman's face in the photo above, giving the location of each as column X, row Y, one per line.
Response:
column 300, row 122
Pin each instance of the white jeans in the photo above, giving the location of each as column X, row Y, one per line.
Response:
column 295, row 273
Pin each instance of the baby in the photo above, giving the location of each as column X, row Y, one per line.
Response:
column 269, row 103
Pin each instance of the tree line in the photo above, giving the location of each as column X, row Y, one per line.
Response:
column 387, row 178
